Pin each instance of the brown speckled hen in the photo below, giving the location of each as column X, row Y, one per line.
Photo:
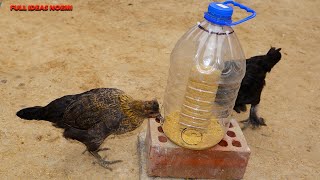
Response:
column 92, row 116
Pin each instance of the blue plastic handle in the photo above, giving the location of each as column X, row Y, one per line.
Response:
column 253, row 13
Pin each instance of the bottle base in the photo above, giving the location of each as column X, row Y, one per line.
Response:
column 189, row 137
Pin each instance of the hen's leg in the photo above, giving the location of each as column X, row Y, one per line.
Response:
column 98, row 134
column 253, row 119
column 100, row 149
column 240, row 108
column 93, row 149
column 92, row 138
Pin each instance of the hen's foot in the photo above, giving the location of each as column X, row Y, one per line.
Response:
column 255, row 122
column 102, row 162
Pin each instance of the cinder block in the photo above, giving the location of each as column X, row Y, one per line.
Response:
column 226, row 160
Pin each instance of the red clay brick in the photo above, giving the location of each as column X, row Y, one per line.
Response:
column 165, row 159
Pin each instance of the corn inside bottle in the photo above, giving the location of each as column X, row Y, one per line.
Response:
column 196, row 111
column 206, row 69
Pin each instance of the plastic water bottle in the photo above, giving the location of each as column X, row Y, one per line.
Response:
column 206, row 69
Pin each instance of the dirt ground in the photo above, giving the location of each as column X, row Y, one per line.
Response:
column 45, row 55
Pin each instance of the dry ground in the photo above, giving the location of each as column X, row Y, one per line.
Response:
column 44, row 55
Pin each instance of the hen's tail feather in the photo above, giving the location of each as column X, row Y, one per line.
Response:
column 52, row 112
column 273, row 57
column 274, row 53
column 31, row 113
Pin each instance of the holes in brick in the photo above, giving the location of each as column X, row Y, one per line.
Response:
column 162, row 139
column 160, row 129
column 231, row 134
column 236, row 143
column 223, row 143
column 157, row 120
column 230, row 126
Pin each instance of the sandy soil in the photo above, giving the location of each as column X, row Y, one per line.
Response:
column 45, row 55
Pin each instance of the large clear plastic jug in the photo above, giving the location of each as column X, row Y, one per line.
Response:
column 206, row 69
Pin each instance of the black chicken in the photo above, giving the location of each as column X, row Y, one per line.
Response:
column 252, row 84
column 92, row 116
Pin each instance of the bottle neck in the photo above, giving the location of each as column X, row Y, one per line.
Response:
column 214, row 28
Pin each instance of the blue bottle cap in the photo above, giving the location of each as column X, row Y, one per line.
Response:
column 219, row 13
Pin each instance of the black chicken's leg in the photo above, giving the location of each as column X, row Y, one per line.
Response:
column 101, row 161
column 253, row 119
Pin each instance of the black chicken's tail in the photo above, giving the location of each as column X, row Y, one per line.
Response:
column 31, row 113
column 273, row 57
column 274, row 53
